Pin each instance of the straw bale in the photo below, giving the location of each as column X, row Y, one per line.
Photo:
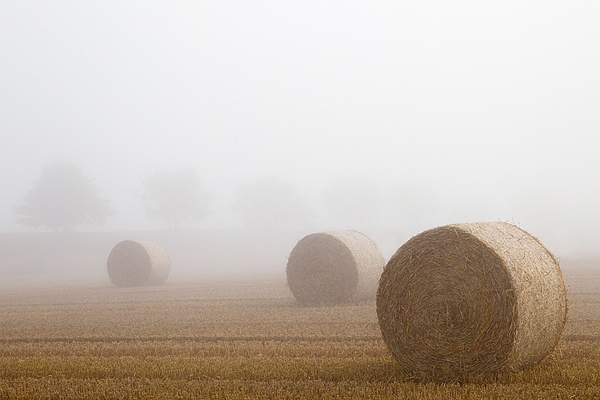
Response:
column 468, row 300
column 334, row 267
column 138, row 263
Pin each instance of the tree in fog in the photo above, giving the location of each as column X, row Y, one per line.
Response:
column 352, row 202
column 271, row 203
column 61, row 199
column 175, row 197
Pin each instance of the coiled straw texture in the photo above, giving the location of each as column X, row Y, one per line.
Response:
column 471, row 299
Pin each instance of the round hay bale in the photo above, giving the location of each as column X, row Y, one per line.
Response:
column 138, row 263
column 472, row 299
column 334, row 267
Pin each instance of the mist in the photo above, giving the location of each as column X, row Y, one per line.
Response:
column 385, row 118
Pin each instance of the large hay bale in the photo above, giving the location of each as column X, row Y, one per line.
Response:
column 137, row 263
column 334, row 267
column 468, row 300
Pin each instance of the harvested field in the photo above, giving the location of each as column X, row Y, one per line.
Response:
column 248, row 339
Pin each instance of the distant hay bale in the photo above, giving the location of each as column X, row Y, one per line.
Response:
column 472, row 299
column 334, row 267
column 137, row 263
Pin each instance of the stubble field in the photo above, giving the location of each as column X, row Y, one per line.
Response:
column 247, row 338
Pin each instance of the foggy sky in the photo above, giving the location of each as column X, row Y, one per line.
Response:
column 488, row 111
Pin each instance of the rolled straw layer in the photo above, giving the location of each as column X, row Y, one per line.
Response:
column 334, row 267
column 137, row 263
column 471, row 299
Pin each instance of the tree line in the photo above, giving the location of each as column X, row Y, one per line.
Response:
column 63, row 197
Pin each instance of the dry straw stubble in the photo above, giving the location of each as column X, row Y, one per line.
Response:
column 334, row 267
column 138, row 263
column 468, row 300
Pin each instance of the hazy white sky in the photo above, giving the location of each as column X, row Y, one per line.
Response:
column 492, row 107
